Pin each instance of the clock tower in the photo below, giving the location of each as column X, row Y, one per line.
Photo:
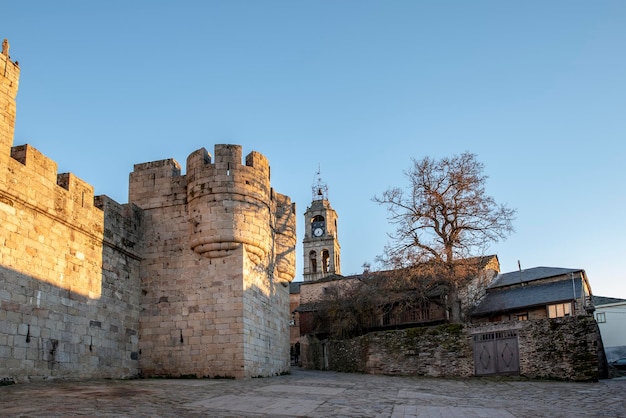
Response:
column 320, row 246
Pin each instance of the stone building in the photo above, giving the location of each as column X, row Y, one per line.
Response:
column 189, row 278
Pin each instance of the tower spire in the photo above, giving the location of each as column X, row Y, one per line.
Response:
column 320, row 189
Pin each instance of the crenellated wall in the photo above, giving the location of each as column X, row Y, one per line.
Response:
column 69, row 294
column 189, row 278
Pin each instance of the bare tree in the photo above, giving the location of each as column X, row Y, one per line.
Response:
column 337, row 312
column 442, row 218
column 373, row 300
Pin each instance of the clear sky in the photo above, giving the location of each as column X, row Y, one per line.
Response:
column 536, row 89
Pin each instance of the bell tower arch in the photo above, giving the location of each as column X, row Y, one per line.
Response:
column 321, row 248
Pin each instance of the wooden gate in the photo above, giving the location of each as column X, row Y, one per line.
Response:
column 496, row 353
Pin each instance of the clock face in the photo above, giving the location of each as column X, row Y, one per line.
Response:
column 318, row 232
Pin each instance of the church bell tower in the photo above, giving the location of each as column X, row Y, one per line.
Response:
column 321, row 248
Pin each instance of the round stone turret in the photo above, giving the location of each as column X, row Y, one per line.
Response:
column 285, row 233
column 229, row 203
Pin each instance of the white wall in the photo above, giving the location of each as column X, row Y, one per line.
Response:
column 613, row 330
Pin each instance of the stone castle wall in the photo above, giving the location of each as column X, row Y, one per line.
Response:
column 68, row 290
column 68, row 294
column 189, row 278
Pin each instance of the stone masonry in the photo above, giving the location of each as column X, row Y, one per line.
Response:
column 218, row 256
column 553, row 348
column 189, row 278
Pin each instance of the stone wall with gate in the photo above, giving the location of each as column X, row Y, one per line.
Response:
column 562, row 348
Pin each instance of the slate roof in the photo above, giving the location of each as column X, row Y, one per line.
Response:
column 603, row 300
column 529, row 275
column 329, row 278
column 307, row 307
column 294, row 287
column 499, row 300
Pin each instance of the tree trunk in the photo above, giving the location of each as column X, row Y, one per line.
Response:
column 454, row 305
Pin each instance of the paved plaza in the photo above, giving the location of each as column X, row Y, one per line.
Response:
column 306, row 393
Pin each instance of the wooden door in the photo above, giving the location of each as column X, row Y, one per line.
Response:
column 496, row 353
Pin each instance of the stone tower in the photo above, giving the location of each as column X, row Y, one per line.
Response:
column 9, row 80
column 321, row 248
column 219, row 247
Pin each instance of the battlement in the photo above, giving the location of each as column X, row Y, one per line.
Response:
column 227, row 154
column 156, row 183
column 35, row 161
column 161, row 168
column 223, row 174
column 229, row 203
column 33, row 169
column 227, row 174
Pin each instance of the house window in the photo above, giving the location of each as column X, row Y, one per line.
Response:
column 559, row 310
column 522, row 316
column 600, row 317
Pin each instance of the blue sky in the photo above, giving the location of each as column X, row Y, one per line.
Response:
column 536, row 89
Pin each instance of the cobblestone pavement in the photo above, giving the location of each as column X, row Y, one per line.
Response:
column 306, row 393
